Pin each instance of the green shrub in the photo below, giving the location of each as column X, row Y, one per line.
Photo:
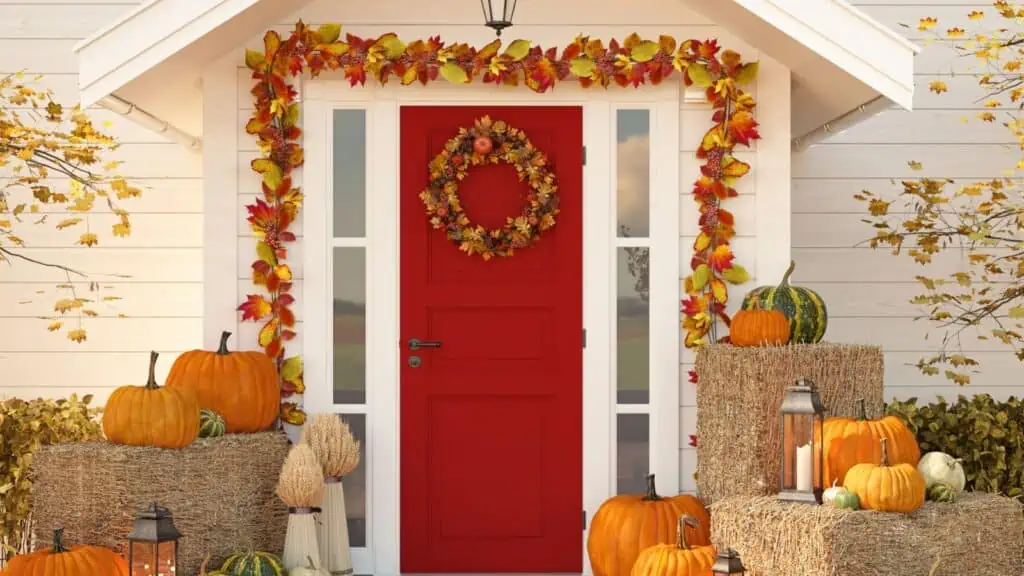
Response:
column 986, row 435
column 24, row 427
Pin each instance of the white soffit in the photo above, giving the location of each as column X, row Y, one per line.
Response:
column 841, row 59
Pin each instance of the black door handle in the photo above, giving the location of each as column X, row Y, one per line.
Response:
column 416, row 344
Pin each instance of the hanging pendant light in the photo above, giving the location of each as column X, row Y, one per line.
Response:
column 503, row 18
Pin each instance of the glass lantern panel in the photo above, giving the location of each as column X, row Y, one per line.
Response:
column 165, row 557
column 797, row 450
column 143, row 555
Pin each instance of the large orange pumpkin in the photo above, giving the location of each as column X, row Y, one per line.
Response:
column 74, row 561
column 679, row 559
column 241, row 386
column 150, row 415
column 627, row 524
column 852, row 441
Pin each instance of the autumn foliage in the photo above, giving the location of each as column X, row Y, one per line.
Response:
column 55, row 173
column 980, row 223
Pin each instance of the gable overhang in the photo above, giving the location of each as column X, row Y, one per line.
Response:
column 845, row 65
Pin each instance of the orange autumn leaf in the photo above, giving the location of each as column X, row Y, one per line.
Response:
column 721, row 257
column 719, row 291
column 743, row 128
column 733, row 168
column 255, row 307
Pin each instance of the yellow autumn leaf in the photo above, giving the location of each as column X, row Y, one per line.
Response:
column 582, row 67
column 67, row 304
column 700, row 277
column 88, row 239
column 927, row 23
column 748, row 73
column 976, row 15
column 268, row 332
column 454, row 73
column 291, row 369
column 284, row 273
column 736, row 275
column 328, row 33
column 699, row 75
column 77, row 335
column 1017, row 312
column 702, row 242
column 67, row 223
column 915, row 165
column 938, row 86
column 518, row 50
column 719, row 291
column 54, row 326
column 644, row 51
column 955, row 32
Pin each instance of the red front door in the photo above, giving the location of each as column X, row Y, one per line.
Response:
column 491, row 421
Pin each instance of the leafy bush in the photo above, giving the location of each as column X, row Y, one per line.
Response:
column 986, row 435
column 24, row 427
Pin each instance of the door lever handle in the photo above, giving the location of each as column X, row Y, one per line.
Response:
column 416, row 344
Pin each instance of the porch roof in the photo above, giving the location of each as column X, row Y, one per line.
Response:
column 149, row 64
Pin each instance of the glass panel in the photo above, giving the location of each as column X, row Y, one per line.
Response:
column 349, row 162
column 634, row 453
column 165, row 556
column 633, row 326
column 349, row 325
column 355, row 484
column 633, row 163
column 143, row 558
column 797, row 469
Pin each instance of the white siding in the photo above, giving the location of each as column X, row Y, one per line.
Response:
column 163, row 297
column 868, row 290
column 454, row 20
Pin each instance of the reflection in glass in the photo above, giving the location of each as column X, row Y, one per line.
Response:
column 632, row 312
column 349, row 323
column 633, row 161
column 349, row 164
column 355, row 484
column 633, row 453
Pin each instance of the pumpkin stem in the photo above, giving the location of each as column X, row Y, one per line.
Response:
column 652, row 494
column 684, row 521
column 202, row 567
column 885, row 451
column 58, row 541
column 862, row 409
column 789, row 271
column 151, row 383
column 223, row 349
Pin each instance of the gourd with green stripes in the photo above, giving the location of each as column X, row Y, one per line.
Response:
column 805, row 309
column 211, row 424
column 253, row 564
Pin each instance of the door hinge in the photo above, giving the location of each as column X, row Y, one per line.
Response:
column 584, row 155
column 584, row 519
column 584, row 337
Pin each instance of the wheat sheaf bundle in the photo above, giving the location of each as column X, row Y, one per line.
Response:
column 332, row 442
column 302, row 483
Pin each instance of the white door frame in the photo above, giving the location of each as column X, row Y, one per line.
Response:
column 320, row 97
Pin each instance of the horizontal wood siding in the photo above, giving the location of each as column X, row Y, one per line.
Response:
column 161, row 295
column 868, row 291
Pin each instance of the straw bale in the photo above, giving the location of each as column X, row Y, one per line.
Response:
column 220, row 491
column 978, row 534
column 739, row 392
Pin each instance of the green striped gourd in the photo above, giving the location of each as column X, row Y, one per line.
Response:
column 805, row 309
column 211, row 424
column 253, row 564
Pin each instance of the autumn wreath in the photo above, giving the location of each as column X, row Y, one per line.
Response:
column 488, row 142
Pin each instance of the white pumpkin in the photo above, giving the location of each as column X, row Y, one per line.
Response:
column 829, row 496
column 939, row 467
column 310, row 570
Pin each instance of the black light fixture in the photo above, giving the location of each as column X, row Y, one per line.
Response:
column 728, row 563
column 153, row 543
column 501, row 20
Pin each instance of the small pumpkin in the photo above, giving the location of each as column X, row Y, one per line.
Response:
column 309, row 569
column 759, row 327
column 483, row 145
column 840, row 498
column 627, row 524
column 150, row 415
column 939, row 467
column 678, row 559
column 804, row 308
column 885, row 488
column 241, row 386
column 942, row 492
column 253, row 563
column 852, row 441
column 63, row 561
column 211, row 424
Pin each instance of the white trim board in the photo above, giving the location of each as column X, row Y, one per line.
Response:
column 320, row 98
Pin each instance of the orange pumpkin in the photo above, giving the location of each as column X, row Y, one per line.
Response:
column 150, row 415
column 74, row 561
column 758, row 327
column 627, row 524
column 240, row 386
column 852, row 441
column 679, row 559
column 884, row 487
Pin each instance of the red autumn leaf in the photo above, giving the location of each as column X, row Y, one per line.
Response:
column 693, row 440
column 743, row 128
column 708, row 48
column 721, row 258
column 692, row 376
column 287, row 317
column 706, row 188
column 255, row 308
column 287, row 335
column 285, row 299
column 694, row 305
column 274, row 348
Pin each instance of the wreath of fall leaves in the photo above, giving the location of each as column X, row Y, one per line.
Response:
column 587, row 61
column 500, row 143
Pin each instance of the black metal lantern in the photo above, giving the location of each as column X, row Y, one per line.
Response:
column 802, row 418
column 153, row 543
column 728, row 562
column 502, row 19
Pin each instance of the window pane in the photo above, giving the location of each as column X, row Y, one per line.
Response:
column 355, row 484
column 349, row 325
column 349, row 163
column 634, row 174
column 634, row 453
column 633, row 326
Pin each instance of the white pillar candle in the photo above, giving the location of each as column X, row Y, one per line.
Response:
column 804, row 468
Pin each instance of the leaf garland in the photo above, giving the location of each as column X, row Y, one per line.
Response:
column 587, row 61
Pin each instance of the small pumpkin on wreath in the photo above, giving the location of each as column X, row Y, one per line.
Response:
column 491, row 142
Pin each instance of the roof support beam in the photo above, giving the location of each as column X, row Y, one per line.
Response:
column 132, row 112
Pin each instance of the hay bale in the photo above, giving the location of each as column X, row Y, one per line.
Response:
column 978, row 534
column 220, row 491
column 739, row 393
